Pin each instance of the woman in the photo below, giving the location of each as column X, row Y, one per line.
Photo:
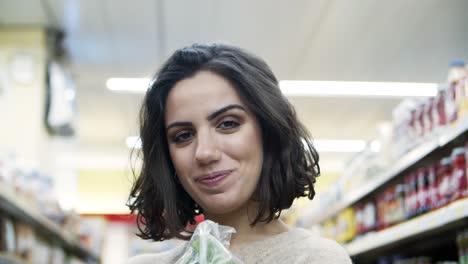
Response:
column 219, row 139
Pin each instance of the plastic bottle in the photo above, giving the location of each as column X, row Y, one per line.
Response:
column 429, row 116
column 459, row 177
column 422, row 191
column 451, row 106
column 444, row 176
column 433, row 191
column 414, row 195
column 400, row 202
column 408, row 200
column 380, row 211
column 440, row 115
column 359, row 219
column 456, row 79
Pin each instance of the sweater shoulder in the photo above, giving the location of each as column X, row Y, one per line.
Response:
column 166, row 257
column 295, row 246
column 323, row 250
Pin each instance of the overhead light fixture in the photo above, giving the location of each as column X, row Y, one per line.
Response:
column 339, row 145
column 311, row 88
column 358, row 89
column 131, row 85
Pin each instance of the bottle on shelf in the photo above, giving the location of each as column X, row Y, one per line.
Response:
column 456, row 80
column 444, row 177
column 459, row 177
column 433, row 194
column 422, row 191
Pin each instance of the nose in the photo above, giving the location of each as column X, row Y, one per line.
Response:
column 207, row 150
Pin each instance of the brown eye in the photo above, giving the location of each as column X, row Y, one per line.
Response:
column 228, row 124
column 182, row 136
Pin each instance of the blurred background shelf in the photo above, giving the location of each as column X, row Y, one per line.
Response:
column 408, row 160
column 425, row 227
column 5, row 259
column 18, row 209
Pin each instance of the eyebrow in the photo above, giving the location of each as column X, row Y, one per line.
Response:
column 224, row 109
column 210, row 117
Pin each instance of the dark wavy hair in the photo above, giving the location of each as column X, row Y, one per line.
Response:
column 290, row 163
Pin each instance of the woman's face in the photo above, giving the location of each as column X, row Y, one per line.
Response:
column 214, row 141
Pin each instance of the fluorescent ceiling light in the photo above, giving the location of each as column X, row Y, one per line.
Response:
column 310, row 88
column 339, row 145
column 132, row 85
column 371, row 89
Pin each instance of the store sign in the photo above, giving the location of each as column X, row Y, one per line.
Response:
column 60, row 101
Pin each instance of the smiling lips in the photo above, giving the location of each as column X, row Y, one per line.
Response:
column 214, row 178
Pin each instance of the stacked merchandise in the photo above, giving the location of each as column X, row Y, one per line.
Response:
column 427, row 188
column 32, row 192
column 421, row 191
column 417, row 121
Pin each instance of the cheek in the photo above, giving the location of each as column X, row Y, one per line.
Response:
column 181, row 161
column 182, row 167
column 247, row 147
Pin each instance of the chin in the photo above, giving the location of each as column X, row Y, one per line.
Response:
column 221, row 208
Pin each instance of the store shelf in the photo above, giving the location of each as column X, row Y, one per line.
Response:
column 404, row 163
column 18, row 209
column 429, row 222
column 5, row 259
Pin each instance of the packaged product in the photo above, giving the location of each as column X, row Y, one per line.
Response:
column 209, row 245
column 25, row 241
column 422, row 191
column 456, row 79
column 399, row 211
column 346, row 225
column 411, row 197
column 388, row 201
column 440, row 115
column 7, row 236
column 458, row 184
column 57, row 256
column 429, row 116
column 41, row 252
column 369, row 216
column 381, row 211
column 451, row 106
column 433, row 195
column 359, row 219
column 329, row 229
column 445, row 178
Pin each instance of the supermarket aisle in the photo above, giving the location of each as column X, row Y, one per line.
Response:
column 394, row 177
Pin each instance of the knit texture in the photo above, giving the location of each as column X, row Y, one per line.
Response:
column 296, row 246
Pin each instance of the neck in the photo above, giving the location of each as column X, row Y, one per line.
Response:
column 245, row 232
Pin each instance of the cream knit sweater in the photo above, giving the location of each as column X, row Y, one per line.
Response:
column 296, row 246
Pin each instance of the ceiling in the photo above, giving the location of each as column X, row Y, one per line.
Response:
column 410, row 41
